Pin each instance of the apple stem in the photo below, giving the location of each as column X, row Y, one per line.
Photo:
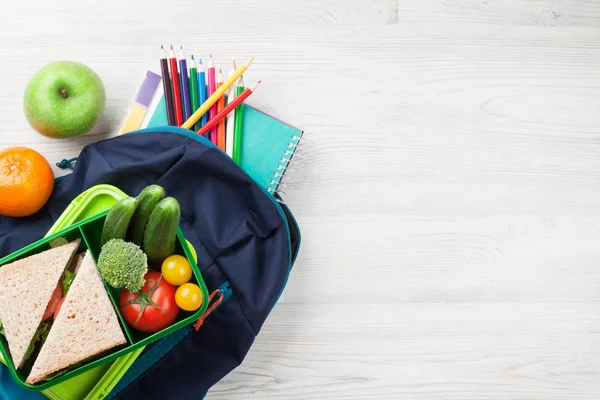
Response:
column 64, row 93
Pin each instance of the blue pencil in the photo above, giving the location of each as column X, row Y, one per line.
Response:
column 185, row 86
column 202, row 90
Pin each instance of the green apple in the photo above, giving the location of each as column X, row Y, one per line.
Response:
column 64, row 99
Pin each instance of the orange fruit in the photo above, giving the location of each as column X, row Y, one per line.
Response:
column 26, row 181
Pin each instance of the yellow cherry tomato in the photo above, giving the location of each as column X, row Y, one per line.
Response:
column 176, row 270
column 188, row 297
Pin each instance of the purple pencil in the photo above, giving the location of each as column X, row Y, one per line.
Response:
column 164, row 67
column 185, row 86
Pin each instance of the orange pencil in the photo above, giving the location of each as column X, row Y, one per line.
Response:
column 220, row 107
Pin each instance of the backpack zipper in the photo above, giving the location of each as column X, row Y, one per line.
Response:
column 225, row 288
column 217, row 298
column 226, row 291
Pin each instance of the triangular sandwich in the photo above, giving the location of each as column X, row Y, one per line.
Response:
column 86, row 325
column 26, row 287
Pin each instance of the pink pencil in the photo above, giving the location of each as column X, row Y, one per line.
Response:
column 212, row 86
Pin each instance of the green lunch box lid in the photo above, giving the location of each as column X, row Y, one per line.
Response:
column 96, row 383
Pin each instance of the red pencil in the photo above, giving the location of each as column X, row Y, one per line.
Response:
column 220, row 107
column 212, row 86
column 176, row 88
column 230, row 107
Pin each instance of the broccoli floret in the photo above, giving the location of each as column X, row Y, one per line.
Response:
column 123, row 265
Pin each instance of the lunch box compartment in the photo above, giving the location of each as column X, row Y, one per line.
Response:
column 70, row 234
column 90, row 231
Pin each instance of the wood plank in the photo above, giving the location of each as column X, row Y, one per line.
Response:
column 545, row 13
column 536, row 258
column 125, row 15
column 425, row 351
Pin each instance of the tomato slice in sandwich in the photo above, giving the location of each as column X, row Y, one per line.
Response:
column 54, row 300
column 60, row 303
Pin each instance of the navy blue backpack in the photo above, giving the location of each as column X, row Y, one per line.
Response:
column 245, row 239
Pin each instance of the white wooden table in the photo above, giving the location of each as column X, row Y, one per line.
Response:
column 450, row 207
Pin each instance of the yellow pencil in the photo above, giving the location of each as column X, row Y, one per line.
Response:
column 215, row 96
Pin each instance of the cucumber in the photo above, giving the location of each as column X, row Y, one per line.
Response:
column 147, row 200
column 117, row 220
column 161, row 231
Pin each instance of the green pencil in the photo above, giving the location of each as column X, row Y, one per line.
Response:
column 195, row 97
column 237, row 132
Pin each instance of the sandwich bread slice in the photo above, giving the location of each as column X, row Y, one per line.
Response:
column 26, row 287
column 85, row 326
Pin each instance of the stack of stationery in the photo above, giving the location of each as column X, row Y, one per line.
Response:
column 186, row 95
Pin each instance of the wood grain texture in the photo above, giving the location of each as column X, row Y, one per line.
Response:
column 424, row 351
column 503, row 12
column 449, row 204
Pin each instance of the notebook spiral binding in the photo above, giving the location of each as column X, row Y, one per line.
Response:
column 282, row 180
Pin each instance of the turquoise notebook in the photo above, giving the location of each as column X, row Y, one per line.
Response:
column 267, row 147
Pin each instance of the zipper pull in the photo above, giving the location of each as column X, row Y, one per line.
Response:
column 225, row 288
column 221, row 294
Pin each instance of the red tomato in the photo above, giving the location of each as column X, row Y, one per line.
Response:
column 154, row 308
column 54, row 300
column 58, row 306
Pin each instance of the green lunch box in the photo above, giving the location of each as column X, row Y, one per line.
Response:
column 84, row 219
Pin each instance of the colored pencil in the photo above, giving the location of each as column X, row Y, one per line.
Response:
column 237, row 134
column 212, row 87
column 202, row 91
column 166, row 80
column 176, row 89
column 195, row 98
column 220, row 107
column 230, row 124
column 185, row 85
column 229, row 108
column 215, row 97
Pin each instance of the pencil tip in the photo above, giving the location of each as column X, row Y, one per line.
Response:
column 200, row 60
column 192, row 56
column 162, row 47
column 171, row 47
